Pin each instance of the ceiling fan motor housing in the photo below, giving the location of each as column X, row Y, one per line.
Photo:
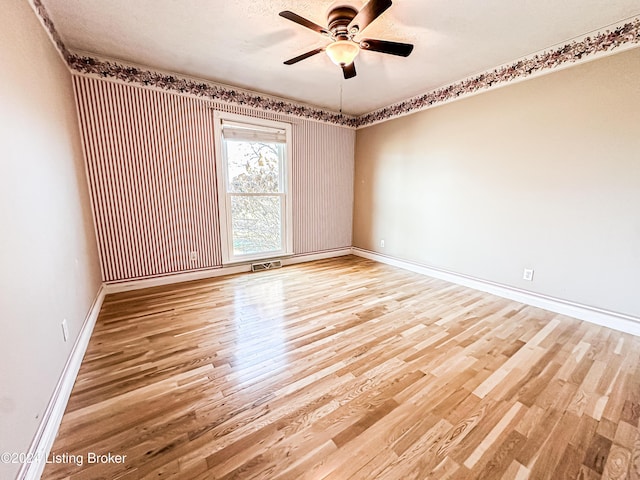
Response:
column 339, row 18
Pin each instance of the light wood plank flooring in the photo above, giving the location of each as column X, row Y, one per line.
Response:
column 346, row 368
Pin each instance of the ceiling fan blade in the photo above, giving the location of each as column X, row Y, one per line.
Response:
column 294, row 17
column 349, row 71
column 383, row 46
column 367, row 14
column 303, row 56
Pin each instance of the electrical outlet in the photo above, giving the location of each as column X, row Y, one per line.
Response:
column 193, row 255
column 381, row 243
column 528, row 274
column 65, row 330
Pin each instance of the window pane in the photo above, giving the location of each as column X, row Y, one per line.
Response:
column 253, row 167
column 256, row 224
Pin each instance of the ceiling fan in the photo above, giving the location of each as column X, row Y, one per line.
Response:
column 345, row 23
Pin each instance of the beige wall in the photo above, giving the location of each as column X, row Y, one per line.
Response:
column 48, row 258
column 543, row 174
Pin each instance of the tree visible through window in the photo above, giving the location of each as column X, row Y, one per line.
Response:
column 254, row 169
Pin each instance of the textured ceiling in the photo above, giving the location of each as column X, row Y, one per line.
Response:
column 244, row 42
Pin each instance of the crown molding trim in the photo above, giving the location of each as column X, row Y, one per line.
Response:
column 586, row 48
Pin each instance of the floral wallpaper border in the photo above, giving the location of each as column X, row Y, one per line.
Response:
column 569, row 53
column 212, row 91
column 55, row 36
column 627, row 33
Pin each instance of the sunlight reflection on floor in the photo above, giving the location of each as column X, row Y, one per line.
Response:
column 260, row 339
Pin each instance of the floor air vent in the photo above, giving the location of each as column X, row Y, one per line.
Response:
column 258, row 267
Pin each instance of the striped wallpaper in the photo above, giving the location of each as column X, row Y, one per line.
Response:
column 151, row 171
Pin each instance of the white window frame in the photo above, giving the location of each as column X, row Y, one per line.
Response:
column 224, row 197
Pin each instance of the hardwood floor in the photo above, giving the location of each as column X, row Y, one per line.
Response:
column 346, row 368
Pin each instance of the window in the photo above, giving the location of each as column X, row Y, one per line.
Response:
column 253, row 157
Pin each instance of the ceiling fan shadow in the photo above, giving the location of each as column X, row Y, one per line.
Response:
column 274, row 38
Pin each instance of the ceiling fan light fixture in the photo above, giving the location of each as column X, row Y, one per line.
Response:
column 343, row 52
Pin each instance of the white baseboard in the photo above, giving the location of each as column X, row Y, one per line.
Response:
column 48, row 429
column 125, row 286
column 606, row 318
column 310, row 257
